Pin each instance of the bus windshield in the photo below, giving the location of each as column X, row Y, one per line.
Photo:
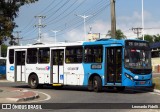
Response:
column 137, row 59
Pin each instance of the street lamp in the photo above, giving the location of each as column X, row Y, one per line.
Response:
column 84, row 18
column 142, row 21
column 55, row 32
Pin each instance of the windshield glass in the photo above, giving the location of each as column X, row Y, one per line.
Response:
column 137, row 58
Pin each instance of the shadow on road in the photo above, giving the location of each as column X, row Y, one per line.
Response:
column 128, row 90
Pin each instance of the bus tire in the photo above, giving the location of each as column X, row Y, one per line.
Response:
column 122, row 88
column 90, row 85
column 97, row 84
column 33, row 81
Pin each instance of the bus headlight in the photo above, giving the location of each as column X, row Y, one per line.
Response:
column 136, row 77
column 128, row 76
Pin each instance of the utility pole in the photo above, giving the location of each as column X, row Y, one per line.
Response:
column 137, row 31
column 84, row 20
column 113, row 19
column 18, row 38
column 40, row 25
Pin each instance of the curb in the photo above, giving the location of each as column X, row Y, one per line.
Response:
column 22, row 98
column 156, row 91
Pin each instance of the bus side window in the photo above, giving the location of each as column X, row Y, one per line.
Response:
column 11, row 56
column 32, row 55
column 43, row 55
column 93, row 54
column 74, row 54
column 61, row 58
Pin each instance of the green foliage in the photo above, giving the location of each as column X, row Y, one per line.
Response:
column 8, row 12
column 119, row 34
column 156, row 38
column 4, row 50
column 151, row 38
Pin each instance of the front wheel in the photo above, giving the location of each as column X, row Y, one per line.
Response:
column 97, row 84
column 33, row 81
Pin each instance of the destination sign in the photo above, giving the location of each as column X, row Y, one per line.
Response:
column 136, row 44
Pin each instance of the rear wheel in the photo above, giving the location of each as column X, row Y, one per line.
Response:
column 33, row 81
column 97, row 84
column 90, row 85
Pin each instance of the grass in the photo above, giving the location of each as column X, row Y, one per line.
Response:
column 156, row 83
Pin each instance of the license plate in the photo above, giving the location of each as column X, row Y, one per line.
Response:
column 142, row 82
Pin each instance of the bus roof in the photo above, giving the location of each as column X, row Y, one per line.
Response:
column 103, row 41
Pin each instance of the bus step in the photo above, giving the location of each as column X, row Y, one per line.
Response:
column 57, row 84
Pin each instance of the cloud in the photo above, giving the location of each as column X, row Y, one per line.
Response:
column 75, row 35
column 78, row 34
column 47, row 39
column 126, row 23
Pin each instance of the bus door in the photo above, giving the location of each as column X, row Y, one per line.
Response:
column 20, row 65
column 114, row 66
column 57, row 66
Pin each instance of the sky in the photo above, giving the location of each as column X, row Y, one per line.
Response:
column 60, row 16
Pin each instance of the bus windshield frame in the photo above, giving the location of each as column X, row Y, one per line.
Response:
column 137, row 55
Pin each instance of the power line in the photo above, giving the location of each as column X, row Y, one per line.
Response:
column 32, row 21
column 97, row 13
column 62, row 12
column 47, row 7
column 75, row 21
column 58, row 9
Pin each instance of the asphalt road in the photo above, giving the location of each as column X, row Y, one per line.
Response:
column 72, row 94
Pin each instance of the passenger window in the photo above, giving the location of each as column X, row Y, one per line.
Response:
column 32, row 55
column 74, row 54
column 11, row 56
column 43, row 55
column 93, row 54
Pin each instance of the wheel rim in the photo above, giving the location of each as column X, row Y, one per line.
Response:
column 33, row 82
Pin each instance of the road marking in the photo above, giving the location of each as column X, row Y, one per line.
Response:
column 48, row 97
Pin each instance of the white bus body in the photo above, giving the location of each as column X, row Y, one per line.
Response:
column 18, row 70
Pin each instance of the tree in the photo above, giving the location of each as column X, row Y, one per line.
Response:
column 156, row 38
column 148, row 38
column 119, row 34
column 4, row 50
column 8, row 12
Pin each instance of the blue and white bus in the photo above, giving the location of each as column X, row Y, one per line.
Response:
column 2, row 66
column 96, row 64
